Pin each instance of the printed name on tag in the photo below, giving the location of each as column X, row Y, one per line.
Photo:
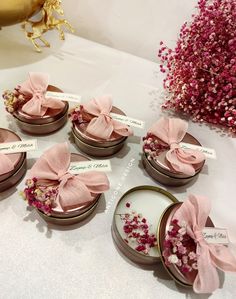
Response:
column 18, row 146
column 63, row 96
column 85, row 166
column 215, row 235
column 208, row 152
column 128, row 120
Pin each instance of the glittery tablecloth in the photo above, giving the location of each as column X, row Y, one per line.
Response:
column 45, row 261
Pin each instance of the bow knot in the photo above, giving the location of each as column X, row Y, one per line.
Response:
column 34, row 89
column 73, row 190
column 172, row 131
column 198, row 236
column 195, row 211
column 102, row 125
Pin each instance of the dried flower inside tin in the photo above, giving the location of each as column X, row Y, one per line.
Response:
column 180, row 248
column 137, row 231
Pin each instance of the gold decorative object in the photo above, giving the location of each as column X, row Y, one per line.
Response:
column 47, row 22
column 16, row 11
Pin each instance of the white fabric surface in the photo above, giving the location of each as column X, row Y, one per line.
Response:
column 44, row 261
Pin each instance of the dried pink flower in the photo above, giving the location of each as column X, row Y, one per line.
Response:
column 201, row 70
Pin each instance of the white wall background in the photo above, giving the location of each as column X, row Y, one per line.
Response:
column 134, row 26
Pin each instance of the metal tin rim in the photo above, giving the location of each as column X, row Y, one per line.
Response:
column 66, row 221
column 21, row 170
column 146, row 259
column 97, row 151
column 163, row 178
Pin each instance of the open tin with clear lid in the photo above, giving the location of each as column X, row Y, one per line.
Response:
column 10, row 178
column 150, row 225
column 135, row 222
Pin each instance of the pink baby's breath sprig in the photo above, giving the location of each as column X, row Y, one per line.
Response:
column 78, row 116
column 137, row 231
column 180, row 248
column 201, row 70
column 40, row 197
column 152, row 146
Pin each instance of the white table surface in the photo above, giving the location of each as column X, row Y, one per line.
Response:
column 45, row 261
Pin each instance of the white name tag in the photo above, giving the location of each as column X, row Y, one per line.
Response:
column 85, row 166
column 208, row 152
column 128, row 120
column 215, row 235
column 63, row 96
column 18, row 146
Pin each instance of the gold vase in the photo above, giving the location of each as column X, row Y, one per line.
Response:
column 17, row 11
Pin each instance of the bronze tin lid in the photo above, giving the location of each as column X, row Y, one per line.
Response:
column 163, row 166
column 17, row 158
column 149, row 201
column 184, row 279
column 81, row 209
column 51, row 116
column 80, row 132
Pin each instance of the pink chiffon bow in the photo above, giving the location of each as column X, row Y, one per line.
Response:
column 34, row 89
column 194, row 212
column 73, row 190
column 172, row 131
column 6, row 165
column 102, row 125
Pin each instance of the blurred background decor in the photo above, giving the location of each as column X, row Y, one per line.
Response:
column 47, row 11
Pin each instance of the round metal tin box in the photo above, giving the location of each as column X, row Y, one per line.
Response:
column 149, row 202
column 185, row 279
column 52, row 121
column 94, row 146
column 162, row 172
column 11, row 178
column 76, row 214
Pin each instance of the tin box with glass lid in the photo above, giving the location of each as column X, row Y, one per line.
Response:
column 59, row 196
column 35, row 113
column 95, row 131
column 149, row 228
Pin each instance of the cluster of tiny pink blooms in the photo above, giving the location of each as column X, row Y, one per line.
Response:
column 201, row 70
column 40, row 197
column 137, row 232
column 152, row 146
column 77, row 115
column 180, row 248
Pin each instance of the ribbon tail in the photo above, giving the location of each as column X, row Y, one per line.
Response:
column 100, row 126
column 52, row 103
column 179, row 166
column 96, row 182
column 72, row 193
column 222, row 258
column 6, row 164
column 34, row 107
column 207, row 279
column 121, row 129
